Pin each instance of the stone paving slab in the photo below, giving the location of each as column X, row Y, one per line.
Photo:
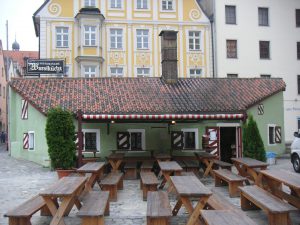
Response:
column 20, row 180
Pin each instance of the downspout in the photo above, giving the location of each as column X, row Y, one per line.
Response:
column 211, row 20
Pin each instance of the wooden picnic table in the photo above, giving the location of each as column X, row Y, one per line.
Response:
column 167, row 168
column 67, row 189
column 273, row 180
column 225, row 217
column 162, row 157
column 208, row 160
column 96, row 170
column 187, row 188
column 115, row 160
column 248, row 167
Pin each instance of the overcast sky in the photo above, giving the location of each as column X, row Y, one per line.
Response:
column 19, row 15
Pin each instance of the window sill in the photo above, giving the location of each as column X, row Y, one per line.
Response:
column 62, row 47
column 90, row 46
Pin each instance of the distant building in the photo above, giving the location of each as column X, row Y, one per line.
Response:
column 3, row 90
column 259, row 39
column 119, row 38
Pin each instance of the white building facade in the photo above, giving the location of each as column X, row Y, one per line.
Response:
column 259, row 39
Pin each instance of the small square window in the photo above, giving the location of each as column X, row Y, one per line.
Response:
column 89, row 71
column 115, row 4
column 30, row 140
column 195, row 73
column 143, row 72
column 194, row 40
column 232, row 75
column 271, row 134
column 142, row 4
column 231, row 49
column 230, row 14
column 167, row 5
column 116, row 72
column 265, row 76
column 297, row 17
column 263, row 16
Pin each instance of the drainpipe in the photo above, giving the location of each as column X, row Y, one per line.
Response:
column 211, row 20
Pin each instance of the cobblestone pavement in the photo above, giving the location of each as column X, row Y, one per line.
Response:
column 20, row 180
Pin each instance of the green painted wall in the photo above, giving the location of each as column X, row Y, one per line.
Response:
column 273, row 114
column 36, row 122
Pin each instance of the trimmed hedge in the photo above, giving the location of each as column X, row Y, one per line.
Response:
column 252, row 142
column 60, row 135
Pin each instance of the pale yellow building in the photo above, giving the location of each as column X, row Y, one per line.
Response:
column 106, row 38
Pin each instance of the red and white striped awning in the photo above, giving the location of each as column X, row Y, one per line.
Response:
column 162, row 116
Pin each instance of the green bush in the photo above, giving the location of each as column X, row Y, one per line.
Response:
column 252, row 142
column 60, row 135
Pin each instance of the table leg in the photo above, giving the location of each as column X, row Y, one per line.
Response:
column 177, row 207
column 115, row 164
column 194, row 212
column 166, row 179
column 51, row 204
column 209, row 165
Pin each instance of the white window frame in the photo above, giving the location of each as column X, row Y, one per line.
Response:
column 195, row 74
column 90, row 73
column 31, row 143
column 143, row 7
column 62, row 34
column 97, row 131
column 274, row 126
column 167, row 9
column 194, row 38
column 143, row 37
column 118, row 68
column 195, row 130
column 116, row 36
column 143, row 136
column 90, row 3
column 113, row 4
column 143, row 74
column 88, row 30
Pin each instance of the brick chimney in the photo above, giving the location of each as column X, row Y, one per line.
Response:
column 169, row 56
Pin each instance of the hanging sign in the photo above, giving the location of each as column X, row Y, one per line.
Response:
column 45, row 66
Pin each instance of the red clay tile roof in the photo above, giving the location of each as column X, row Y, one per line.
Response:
column 19, row 56
column 146, row 95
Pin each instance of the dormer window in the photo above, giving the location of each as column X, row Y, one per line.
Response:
column 89, row 3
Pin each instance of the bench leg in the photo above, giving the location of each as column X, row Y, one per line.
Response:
column 219, row 182
column 234, row 188
column 157, row 221
column 93, row 220
column 120, row 184
column 19, row 221
column 113, row 190
column 279, row 219
column 246, row 204
column 106, row 212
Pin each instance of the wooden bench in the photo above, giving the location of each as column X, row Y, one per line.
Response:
column 149, row 182
column 234, row 181
column 23, row 213
column 158, row 208
column 221, row 164
column 130, row 169
column 192, row 166
column 147, row 166
column 112, row 182
column 95, row 205
column 254, row 197
column 218, row 202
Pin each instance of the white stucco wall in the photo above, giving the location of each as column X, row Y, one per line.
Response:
column 283, row 36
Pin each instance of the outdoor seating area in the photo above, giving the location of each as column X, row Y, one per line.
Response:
column 168, row 191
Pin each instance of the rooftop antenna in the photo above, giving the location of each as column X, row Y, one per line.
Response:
column 7, row 35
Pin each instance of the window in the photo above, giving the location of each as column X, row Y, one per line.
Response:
column 116, row 71
column 137, row 139
column 89, row 3
column 167, row 5
column 271, row 134
column 142, row 39
column 3, row 92
column 67, row 71
column 90, row 35
column 231, row 49
column 298, row 50
column 143, row 72
column 91, row 139
column 116, row 36
column 298, row 82
column 62, row 37
column 194, row 40
column 115, row 4
column 90, row 71
column 263, row 16
column 30, row 140
column 142, row 4
column 264, row 49
column 230, row 14
column 232, row 75
column 190, row 138
column 265, row 76
column 195, row 73
column 297, row 17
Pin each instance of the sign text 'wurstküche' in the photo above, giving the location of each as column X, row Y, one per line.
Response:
column 45, row 66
